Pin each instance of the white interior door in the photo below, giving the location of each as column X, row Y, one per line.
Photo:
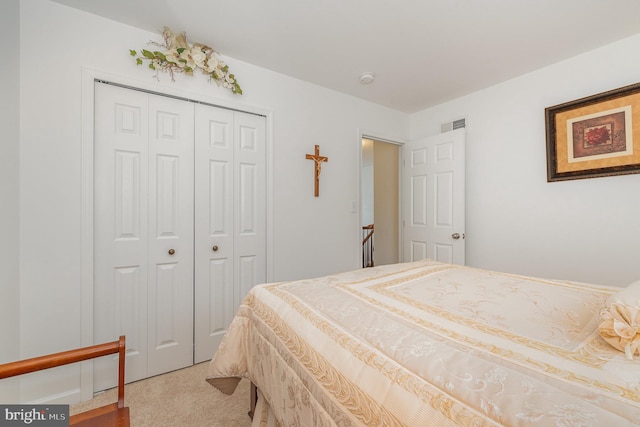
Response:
column 250, row 203
column 171, row 209
column 143, row 230
column 230, row 241
column 214, row 302
column 433, row 188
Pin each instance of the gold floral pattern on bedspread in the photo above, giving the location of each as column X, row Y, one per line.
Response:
column 431, row 344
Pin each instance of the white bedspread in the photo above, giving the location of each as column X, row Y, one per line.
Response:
column 429, row 344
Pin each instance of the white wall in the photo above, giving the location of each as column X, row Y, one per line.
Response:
column 9, row 190
column 584, row 230
column 312, row 236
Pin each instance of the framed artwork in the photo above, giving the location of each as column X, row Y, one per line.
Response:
column 594, row 136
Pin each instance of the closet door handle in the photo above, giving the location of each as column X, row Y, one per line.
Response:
column 172, row 251
column 215, row 248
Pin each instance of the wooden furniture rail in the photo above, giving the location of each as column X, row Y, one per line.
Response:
column 115, row 414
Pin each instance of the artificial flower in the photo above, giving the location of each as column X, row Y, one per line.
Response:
column 180, row 57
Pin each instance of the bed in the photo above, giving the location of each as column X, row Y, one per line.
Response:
column 430, row 344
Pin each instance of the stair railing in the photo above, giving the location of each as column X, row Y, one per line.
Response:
column 367, row 246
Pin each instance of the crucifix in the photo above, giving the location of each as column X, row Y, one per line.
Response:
column 318, row 159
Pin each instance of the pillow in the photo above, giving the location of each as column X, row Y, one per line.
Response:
column 620, row 320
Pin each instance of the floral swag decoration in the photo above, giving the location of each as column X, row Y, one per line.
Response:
column 177, row 56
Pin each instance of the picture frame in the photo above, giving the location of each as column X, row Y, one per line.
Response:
column 595, row 136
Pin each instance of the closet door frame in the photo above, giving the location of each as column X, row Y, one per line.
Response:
column 89, row 79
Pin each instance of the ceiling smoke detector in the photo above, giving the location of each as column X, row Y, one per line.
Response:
column 366, row 78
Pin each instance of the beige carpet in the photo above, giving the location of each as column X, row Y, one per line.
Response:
column 180, row 398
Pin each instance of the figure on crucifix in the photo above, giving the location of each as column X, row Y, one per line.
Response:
column 318, row 159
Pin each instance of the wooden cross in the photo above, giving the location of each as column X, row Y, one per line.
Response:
column 317, row 158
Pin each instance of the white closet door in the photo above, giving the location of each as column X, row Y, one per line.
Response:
column 120, row 227
column 214, row 302
column 143, row 209
column 170, row 292
column 230, row 243
column 249, row 203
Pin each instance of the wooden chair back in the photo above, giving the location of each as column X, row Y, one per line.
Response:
column 115, row 414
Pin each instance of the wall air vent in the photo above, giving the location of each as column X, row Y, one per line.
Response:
column 456, row 124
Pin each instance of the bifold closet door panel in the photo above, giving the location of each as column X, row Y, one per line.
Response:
column 143, row 230
column 250, row 203
column 171, row 211
column 230, row 220
column 214, row 173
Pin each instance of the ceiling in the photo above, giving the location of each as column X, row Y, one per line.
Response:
column 422, row 52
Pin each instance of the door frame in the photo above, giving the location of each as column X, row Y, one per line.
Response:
column 376, row 136
column 89, row 77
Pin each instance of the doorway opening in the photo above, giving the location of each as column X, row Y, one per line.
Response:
column 380, row 202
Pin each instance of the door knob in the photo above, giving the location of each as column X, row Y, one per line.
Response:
column 172, row 251
column 455, row 236
column 215, row 248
